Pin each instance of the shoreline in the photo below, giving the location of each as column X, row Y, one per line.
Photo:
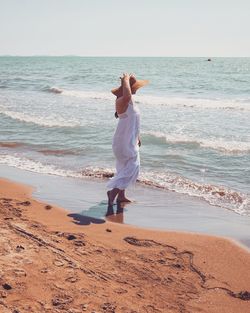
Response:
column 54, row 262
column 153, row 209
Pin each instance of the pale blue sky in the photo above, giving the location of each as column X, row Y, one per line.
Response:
column 125, row 27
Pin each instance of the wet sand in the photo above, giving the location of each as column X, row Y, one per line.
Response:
column 51, row 260
column 153, row 208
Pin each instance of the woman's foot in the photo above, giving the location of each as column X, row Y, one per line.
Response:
column 123, row 199
column 111, row 196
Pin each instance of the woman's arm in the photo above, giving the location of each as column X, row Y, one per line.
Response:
column 122, row 102
column 126, row 88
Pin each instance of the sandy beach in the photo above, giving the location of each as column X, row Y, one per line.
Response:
column 124, row 156
column 52, row 262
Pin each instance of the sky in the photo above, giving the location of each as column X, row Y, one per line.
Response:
column 125, row 27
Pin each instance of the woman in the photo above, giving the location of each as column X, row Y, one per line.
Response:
column 126, row 139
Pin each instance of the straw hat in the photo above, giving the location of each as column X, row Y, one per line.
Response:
column 135, row 84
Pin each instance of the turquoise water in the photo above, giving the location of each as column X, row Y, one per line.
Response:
column 57, row 117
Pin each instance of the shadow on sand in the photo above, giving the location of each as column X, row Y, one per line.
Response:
column 80, row 219
column 99, row 214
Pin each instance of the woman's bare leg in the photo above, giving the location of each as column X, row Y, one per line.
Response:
column 112, row 194
column 121, row 196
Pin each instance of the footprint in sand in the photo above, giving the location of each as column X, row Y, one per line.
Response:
column 71, row 279
column 79, row 243
column 120, row 291
column 19, row 272
column 109, row 307
column 25, row 203
column 27, row 261
column 58, row 263
column 19, row 248
column 61, row 300
column 44, row 270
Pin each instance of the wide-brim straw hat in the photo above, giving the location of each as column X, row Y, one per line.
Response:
column 138, row 83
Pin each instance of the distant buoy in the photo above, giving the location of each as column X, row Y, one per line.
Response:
column 209, row 60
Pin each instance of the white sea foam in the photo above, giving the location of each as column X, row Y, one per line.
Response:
column 240, row 104
column 50, row 121
column 194, row 102
column 87, row 94
column 35, row 166
column 215, row 195
column 216, row 144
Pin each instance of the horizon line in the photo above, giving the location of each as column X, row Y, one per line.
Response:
column 118, row 56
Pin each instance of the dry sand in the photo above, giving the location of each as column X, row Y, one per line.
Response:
column 51, row 262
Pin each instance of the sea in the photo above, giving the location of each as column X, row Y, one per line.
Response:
column 57, row 118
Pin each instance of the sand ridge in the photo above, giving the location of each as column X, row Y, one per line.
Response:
column 48, row 263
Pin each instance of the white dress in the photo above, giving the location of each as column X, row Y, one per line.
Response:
column 126, row 149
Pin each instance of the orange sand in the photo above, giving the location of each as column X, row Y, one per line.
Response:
column 49, row 263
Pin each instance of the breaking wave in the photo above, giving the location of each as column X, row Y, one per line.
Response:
column 35, row 166
column 215, row 195
column 228, row 104
column 49, row 121
column 215, row 144
column 81, row 94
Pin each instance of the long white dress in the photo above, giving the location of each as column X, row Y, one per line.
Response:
column 126, row 149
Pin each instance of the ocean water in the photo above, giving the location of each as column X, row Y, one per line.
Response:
column 57, row 117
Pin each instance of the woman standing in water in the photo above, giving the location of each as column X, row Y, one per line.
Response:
column 126, row 139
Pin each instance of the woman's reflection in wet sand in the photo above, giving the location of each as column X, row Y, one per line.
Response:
column 116, row 217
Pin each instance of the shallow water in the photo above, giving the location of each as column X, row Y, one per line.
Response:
column 85, row 199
